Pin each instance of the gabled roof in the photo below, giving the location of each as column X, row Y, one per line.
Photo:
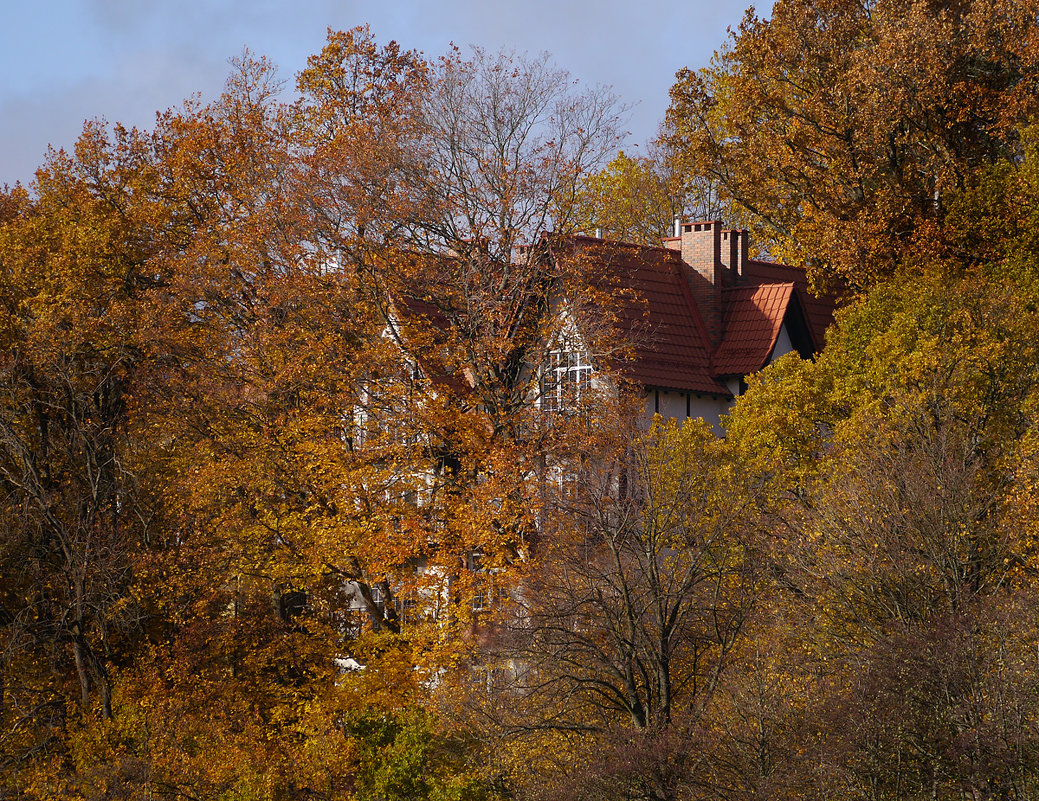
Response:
column 752, row 317
column 818, row 310
column 656, row 313
column 672, row 348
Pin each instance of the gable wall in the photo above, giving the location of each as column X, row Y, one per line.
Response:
column 783, row 344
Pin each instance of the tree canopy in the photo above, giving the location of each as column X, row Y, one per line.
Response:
column 284, row 515
column 838, row 129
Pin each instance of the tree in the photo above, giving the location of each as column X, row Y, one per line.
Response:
column 840, row 129
column 508, row 138
column 623, row 625
column 74, row 281
column 180, row 360
column 359, row 142
column 900, row 541
column 629, row 200
column 638, row 199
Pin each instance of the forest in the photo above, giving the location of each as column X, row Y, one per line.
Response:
column 282, row 516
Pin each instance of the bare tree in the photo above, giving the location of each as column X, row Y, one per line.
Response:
column 640, row 594
column 510, row 137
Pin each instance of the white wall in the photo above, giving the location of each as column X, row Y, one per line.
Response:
column 673, row 405
column 783, row 344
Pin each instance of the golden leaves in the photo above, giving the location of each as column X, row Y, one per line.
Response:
column 840, row 128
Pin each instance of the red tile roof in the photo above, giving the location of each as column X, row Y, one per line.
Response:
column 752, row 317
column 657, row 314
column 818, row 310
column 672, row 348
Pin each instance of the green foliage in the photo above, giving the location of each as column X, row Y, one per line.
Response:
column 900, row 466
column 631, row 200
column 403, row 756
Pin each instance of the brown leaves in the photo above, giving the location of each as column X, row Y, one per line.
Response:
column 840, row 128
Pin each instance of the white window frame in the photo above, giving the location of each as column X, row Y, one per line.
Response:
column 565, row 377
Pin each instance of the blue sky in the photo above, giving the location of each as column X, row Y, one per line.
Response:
column 65, row 61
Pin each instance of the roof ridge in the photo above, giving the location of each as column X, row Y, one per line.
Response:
column 623, row 244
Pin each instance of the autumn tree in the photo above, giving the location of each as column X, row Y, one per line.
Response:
column 624, row 622
column 900, row 541
column 74, row 280
column 508, row 139
column 349, row 442
column 359, row 141
column 181, row 359
column 636, row 199
column 840, row 128
column 489, row 152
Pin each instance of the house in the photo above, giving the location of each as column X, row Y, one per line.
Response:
column 696, row 316
column 699, row 315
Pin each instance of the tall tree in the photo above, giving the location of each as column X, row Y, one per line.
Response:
column 629, row 610
column 75, row 282
column 496, row 145
column 901, row 542
column 839, row 128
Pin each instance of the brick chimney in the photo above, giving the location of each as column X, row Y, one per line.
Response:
column 700, row 244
